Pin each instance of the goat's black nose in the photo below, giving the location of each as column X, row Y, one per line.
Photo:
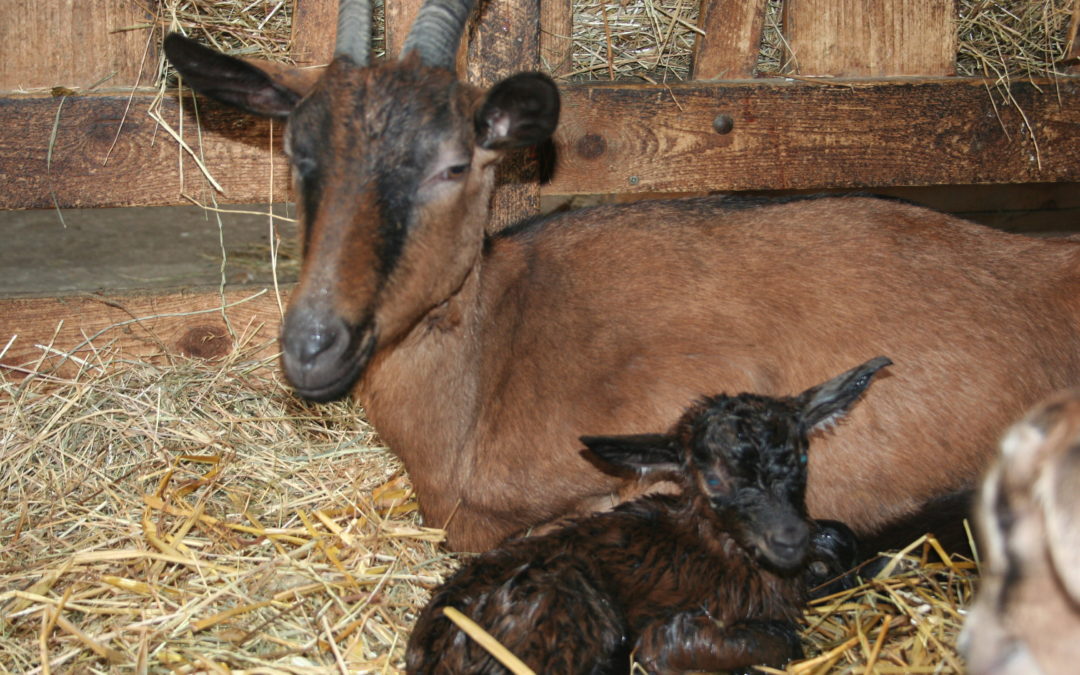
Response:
column 321, row 354
column 310, row 345
column 789, row 540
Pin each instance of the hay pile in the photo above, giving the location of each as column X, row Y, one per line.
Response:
column 195, row 517
column 255, row 28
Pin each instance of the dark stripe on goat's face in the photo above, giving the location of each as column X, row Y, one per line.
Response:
column 364, row 147
column 385, row 132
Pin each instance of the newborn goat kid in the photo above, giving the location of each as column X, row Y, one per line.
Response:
column 710, row 580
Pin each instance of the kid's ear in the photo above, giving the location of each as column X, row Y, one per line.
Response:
column 272, row 91
column 831, row 400
column 640, row 452
column 519, row 111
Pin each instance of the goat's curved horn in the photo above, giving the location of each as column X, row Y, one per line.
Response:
column 437, row 31
column 354, row 30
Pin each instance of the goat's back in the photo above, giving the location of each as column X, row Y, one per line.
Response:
column 610, row 319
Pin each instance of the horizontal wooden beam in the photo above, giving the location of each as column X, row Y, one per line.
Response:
column 787, row 135
column 780, row 134
column 59, row 335
column 94, row 151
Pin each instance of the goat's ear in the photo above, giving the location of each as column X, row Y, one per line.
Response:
column 518, row 111
column 1060, row 484
column 828, row 402
column 640, row 452
column 270, row 92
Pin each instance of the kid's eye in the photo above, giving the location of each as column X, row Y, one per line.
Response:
column 454, row 172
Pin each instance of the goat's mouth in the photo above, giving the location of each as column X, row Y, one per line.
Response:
column 323, row 365
column 784, row 548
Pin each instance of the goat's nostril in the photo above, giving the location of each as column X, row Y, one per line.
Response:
column 789, row 538
column 316, row 342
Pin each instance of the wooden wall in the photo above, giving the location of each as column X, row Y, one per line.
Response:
column 890, row 115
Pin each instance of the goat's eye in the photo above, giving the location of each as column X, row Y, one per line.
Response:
column 454, row 172
column 714, row 483
column 802, row 459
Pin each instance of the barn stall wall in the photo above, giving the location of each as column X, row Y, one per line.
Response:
column 888, row 114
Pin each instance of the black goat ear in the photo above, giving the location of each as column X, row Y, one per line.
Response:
column 229, row 80
column 828, row 402
column 641, row 452
column 519, row 111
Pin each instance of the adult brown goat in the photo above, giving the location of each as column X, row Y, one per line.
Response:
column 481, row 359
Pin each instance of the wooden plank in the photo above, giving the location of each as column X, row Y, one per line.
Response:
column 142, row 168
column 37, row 331
column 613, row 138
column 400, row 15
column 556, row 36
column 314, row 30
column 1072, row 56
column 507, row 41
column 74, row 44
column 855, row 38
column 787, row 135
column 732, row 40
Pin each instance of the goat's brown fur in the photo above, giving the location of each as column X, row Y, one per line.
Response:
column 1027, row 614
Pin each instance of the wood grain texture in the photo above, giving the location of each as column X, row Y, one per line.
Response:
column 732, row 40
column 400, row 15
column 151, row 327
column 855, row 38
column 314, row 31
column 144, row 166
column 506, row 40
column 73, row 43
column 612, row 139
column 556, row 40
column 789, row 135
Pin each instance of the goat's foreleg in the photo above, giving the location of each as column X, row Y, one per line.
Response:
column 694, row 641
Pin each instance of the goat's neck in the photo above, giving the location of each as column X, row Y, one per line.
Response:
column 421, row 394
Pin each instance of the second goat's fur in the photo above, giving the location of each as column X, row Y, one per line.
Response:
column 1026, row 617
column 713, row 579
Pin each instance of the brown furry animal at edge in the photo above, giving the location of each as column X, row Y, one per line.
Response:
column 481, row 358
column 713, row 579
column 1026, row 615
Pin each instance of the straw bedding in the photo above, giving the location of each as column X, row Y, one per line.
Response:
column 195, row 517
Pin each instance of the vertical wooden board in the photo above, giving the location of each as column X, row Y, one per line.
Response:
column 855, row 38
column 506, row 40
column 729, row 48
column 1073, row 56
column 400, row 15
column 314, row 31
column 556, row 36
column 74, row 43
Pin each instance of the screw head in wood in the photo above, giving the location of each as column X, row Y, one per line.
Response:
column 723, row 123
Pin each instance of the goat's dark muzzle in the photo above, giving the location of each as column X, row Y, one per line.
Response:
column 322, row 354
column 782, row 540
